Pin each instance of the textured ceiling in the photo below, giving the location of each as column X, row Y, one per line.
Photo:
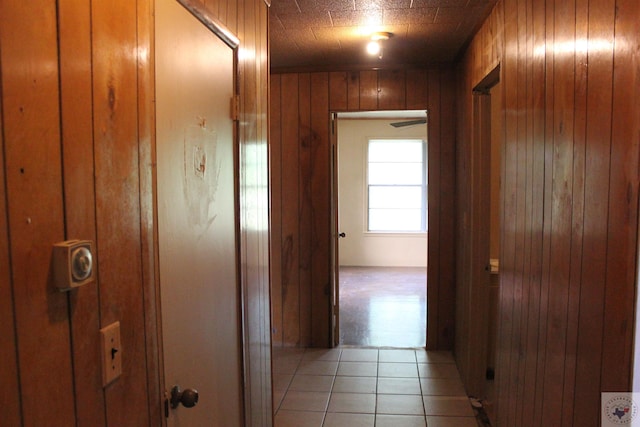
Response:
column 324, row 34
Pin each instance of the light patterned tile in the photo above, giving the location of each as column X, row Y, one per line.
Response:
column 358, row 369
column 399, row 404
column 424, row 356
column 352, row 403
column 317, row 367
column 351, row 420
column 359, row 355
column 327, row 354
column 288, row 353
column 305, row 401
column 397, row 355
column 398, row 370
column 442, row 387
column 333, row 388
column 311, row 383
column 354, row 385
column 285, row 366
column 451, row 421
column 278, row 396
column 298, row 419
column 438, row 370
column 400, row 421
column 447, row 406
column 281, row 381
column 399, row 386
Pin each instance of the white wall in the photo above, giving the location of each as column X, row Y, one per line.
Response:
column 361, row 248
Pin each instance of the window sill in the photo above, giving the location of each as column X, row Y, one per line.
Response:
column 395, row 233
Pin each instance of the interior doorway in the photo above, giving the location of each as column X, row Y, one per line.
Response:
column 196, row 176
column 477, row 349
column 381, row 208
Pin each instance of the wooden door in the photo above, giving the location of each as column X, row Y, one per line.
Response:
column 196, row 203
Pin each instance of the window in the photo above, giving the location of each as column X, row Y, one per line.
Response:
column 397, row 185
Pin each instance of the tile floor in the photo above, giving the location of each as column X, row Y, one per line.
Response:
column 367, row 387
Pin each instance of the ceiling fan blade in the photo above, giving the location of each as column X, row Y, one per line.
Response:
column 408, row 123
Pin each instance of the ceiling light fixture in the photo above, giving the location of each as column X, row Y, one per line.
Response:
column 374, row 47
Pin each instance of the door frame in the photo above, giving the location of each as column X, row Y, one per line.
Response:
column 334, row 314
column 477, row 302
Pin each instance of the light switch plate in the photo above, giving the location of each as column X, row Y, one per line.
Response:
column 111, row 353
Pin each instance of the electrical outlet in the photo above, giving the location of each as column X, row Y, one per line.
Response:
column 111, row 353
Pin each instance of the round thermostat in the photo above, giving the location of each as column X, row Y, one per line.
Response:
column 82, row 263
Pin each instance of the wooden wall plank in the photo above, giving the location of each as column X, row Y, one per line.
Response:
column 434, row 141
column 597, row 190
column 463, row 216
column 275, row 184
column 262, row 348
column 368, row 90
column 526, row 287
column 321, row 208
column 9, row 399
column 417, row 91
column 338, row 91
column 446, row 188
column 570, row 398
column 467, row 220
column 522, row 205
column 623, row 201
column 146, row 151
column 353, row 91
column 434, row 262
column 233, row 18
column 548, row 88
column 118, row 203
column 392, row 88
column 560, row 219
column 306, row 161
column 290, row 228
column 537, row 210
column 253, row 87
column 33, row 173
column 508, row 244
column 79, row 199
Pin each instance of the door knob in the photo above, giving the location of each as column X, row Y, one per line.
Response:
column 188, row 397
column 342, row 235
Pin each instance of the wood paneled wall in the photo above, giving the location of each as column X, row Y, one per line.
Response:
column 77, row 136
column 569, row 73
column 300, row 148
column 253, row 128
column 76, row 106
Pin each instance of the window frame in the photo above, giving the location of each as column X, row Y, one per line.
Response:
column 424, row 205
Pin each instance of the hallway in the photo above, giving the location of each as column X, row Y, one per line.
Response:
column 367, row 387
column 380, row 375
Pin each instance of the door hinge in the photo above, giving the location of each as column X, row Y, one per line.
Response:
column 235, row 107
column 166, row 405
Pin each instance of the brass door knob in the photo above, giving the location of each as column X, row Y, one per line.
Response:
column 188, row 397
